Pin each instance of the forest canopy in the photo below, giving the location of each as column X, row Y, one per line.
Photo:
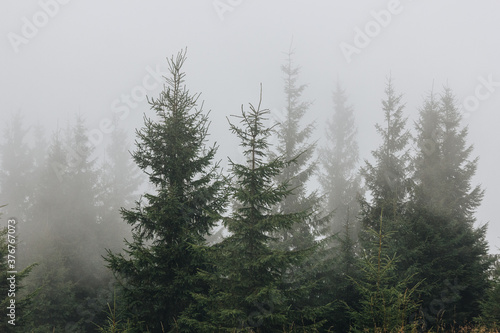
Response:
column 294, row 237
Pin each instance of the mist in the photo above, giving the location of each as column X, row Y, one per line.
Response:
column 100, row 63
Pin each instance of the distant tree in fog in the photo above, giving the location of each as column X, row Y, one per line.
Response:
column 293, row 136
column 340, row 184
column 387, row 178
column 339, row 179
column 442, row 243
column 119, row 179
column 16, row 171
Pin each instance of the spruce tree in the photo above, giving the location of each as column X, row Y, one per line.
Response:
column 293, row 144
column 340, row 184
column 388, row 178
column 388, row 301
column 84, row 232
column 388, row 182
column 55, row 304
column 293, row 136
column 158, row 273
column 339, row 178
column 490, row 306
column 248, row 285
column 445, row 247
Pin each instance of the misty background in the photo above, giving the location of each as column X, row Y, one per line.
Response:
column 92, row 58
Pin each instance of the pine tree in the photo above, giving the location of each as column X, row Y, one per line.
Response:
column 55, row 304
column 388, row 301
column 292, row 145
column 339, row 179
column 443, row 245
column 388, row 179
column 29, row 231
column 159, row 271
column 83, row 233
column 341, row 186
column 490, row 306
column 388, row 183
column 248, row 291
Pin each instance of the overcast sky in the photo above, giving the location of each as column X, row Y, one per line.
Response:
column 97, row 58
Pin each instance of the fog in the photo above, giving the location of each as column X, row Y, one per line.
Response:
column 85, row 56
column 100, row 59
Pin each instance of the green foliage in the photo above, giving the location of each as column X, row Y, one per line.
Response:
column 114, row 322
column 338, row 270
column 388, row 178
column 158, row 273
column 341, row 186
column 54, row 305
column 490, row 306
column 247, row 286
column 282, row 268
column 388, row 302
column 68, row 242
column 441, row 242
column 340, row 180
column 293, row 146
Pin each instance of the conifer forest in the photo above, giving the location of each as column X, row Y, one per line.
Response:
column 230, row 166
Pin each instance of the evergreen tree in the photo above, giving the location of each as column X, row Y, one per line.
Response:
column 119, row 181
column 55, row 303
column 444, row 247
column 65, row 215
column 490, row 306
column 82, row 240
column 248, row 291
column 159, row 271
column 341, row 187
column 293, row 145
column 339, row 179
column 388, row 179
column 16, row 169
column 388, row 183
column 388, row 301
column 29, row 231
